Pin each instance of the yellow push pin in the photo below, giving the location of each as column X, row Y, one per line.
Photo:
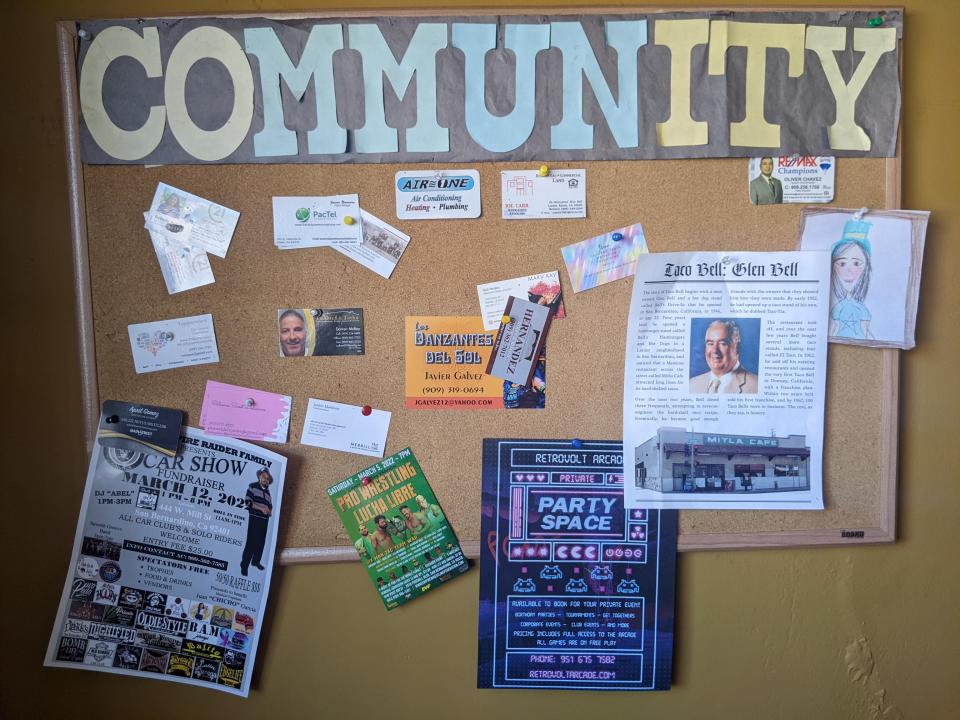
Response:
column 544, row 171
column 348, row 220
column 506, row 319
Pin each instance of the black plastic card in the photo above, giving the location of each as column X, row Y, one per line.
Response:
column 138, row 428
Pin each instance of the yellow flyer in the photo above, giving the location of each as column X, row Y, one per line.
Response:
column 445, row 358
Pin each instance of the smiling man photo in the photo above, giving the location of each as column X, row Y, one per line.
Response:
column 722, row 344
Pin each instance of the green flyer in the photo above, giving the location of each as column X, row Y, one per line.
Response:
column 398, row 529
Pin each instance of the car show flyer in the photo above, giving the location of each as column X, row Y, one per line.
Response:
column 445, row 361
column 576, row 590
column 400, row 533
column 171, row 562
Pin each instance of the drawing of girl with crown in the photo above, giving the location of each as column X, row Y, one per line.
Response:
column 850, row 280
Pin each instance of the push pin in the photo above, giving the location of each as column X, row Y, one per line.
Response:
column 249, row 402
column 617, row 236
column 875, row 21
column 83, row 34
column 506, row 320
column 543, row 171
column 366, row 410
column 858, row 215
column 365, row 481
column 113, row 419
column 348, row 220
column 577, row 443
column 726, row 259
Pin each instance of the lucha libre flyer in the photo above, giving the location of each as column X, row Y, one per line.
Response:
column 445, row 361
column 171, row 562
column 576, row 590
column 400, row 533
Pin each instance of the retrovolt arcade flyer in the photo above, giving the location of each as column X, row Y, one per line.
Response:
column 576, row 590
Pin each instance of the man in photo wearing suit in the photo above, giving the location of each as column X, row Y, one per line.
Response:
column 722, row 353
column 765, row 189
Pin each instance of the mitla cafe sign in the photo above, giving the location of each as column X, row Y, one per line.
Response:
column 435, row 89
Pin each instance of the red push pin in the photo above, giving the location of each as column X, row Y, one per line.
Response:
column 365, row 481
column 366, row 410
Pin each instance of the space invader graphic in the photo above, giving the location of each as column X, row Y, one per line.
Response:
column 524, row 585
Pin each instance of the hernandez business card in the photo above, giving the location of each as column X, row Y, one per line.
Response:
column 520, row 341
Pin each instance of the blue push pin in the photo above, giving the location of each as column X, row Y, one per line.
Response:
column 577, row 443
column 617, row 236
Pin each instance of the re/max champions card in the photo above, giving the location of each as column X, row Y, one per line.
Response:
column 576, row 591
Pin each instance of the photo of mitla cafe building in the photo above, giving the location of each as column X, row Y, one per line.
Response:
column 675, row 460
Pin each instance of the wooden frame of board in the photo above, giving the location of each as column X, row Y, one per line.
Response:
column 878, row 525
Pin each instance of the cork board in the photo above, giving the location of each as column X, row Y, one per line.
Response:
column 683, row 205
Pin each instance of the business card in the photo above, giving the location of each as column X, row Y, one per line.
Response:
column 382, row 246
column 438, row 194
column 137, row 428
column 305, row 332
column 517, row 347
column 305, row 222
column 525, row 195
column 542, row 288
column 178, row 342
column 183, row 263
column 211, row 226
column 245, row 413
column 604, row 258
column 337, row 426
column 791, row 179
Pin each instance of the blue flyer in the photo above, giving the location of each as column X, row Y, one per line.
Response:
column 576, row 590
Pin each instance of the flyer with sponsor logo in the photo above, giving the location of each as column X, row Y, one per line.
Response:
column 400, row 533
column 171, row 563
column 576, row 590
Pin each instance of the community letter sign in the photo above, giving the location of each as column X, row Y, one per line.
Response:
column 474, row 88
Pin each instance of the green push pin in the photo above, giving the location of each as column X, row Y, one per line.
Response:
column 875, row 21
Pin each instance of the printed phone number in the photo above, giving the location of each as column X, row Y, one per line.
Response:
column 451, row 390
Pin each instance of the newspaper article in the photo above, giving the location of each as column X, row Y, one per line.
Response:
column 171, row 562
column 724, row 381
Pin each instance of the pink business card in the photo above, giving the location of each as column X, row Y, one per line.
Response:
column 245, row 413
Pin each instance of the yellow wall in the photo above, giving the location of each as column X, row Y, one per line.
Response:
column 868, row 632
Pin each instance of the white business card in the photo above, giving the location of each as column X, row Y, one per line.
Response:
column 438, row 194
column 178, row 342
column 542, row 288
column 382, row 246
column 525, row 195
column 211, row 225
column 305, row 222
column 337, row 426
column 183, row 264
